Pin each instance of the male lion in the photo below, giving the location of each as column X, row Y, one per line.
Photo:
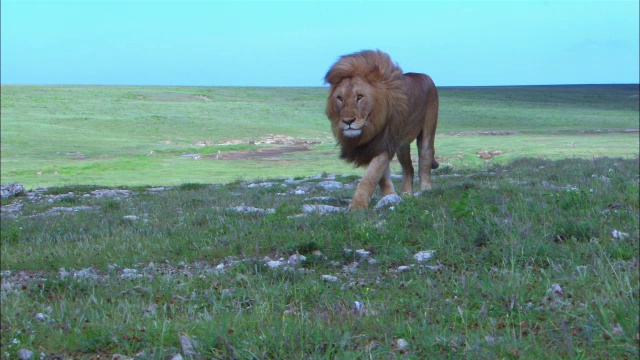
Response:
column 376, row 111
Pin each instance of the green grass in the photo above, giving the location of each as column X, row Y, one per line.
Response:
column 538, row 217
column 503, row 236
column 66, row 135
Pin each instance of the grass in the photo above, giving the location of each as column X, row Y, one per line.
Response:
column 536, row 249
column 503, row 237
column 113, row 128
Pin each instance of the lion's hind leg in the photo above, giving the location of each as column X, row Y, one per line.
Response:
column 426, row 161
column 404, row 157
column 426, row 151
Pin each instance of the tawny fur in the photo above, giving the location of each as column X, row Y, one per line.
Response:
column 387, row 110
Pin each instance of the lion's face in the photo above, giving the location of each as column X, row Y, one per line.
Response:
column 353, row 101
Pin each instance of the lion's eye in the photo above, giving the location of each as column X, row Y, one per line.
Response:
column 359, row 97
column 339, row 98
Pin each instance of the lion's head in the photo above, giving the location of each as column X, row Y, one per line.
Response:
column 366, row 93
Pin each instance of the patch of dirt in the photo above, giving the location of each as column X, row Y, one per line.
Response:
column 265, row 140
column 491, row 133
column 203, row 97
column 265, row 154
column 273, row 139
column 75, row 155
column 228, row 142
column 488, row 155
column 609, row 131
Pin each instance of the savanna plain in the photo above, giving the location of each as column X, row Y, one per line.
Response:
column 207, row 223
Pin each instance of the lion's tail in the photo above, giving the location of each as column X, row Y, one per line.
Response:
column 434, row 164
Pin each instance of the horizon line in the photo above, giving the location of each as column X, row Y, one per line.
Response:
column 311, row 86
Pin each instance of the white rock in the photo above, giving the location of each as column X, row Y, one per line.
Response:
column 556, row 290
column 249, row 209
column 9, row 190
column 57, row 209
column 404, row 268
column 322, row 198
column 129, row 274
column 187, row 345
column 156, row 189
column 321, row 209
column 41, row 317
column 260, row 185
column 362, row 253
column 358, row 308
column 152, row 308
column 351, row 268
column 329, row 278
column 330, row 185
column 24, row 354
column 88, row 273
column 619, row 235
column 296, row 259
column 274, row 264
column 108, row 192
column 402, row 345
column 63, row 273
column 423, row 256
column 130, row 217
column 387, row 200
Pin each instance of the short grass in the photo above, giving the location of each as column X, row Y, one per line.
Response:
column 528, row 259
column 67, row 135
column 525, row 266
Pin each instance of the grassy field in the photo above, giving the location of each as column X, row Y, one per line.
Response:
column 533, row 259
column 67, row 135
column 533, row 253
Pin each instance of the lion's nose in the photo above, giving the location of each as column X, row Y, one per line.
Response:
column 349, row 121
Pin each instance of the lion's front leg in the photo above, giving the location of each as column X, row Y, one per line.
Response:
column 375, row 172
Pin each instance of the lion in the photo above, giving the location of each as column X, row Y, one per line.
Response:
column 376, row 112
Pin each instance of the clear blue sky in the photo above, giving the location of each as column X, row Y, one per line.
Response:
column 277, row 43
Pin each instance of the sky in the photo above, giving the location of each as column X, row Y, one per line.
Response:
column 294, row 43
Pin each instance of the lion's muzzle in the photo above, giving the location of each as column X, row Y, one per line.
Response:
column 349, row 129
